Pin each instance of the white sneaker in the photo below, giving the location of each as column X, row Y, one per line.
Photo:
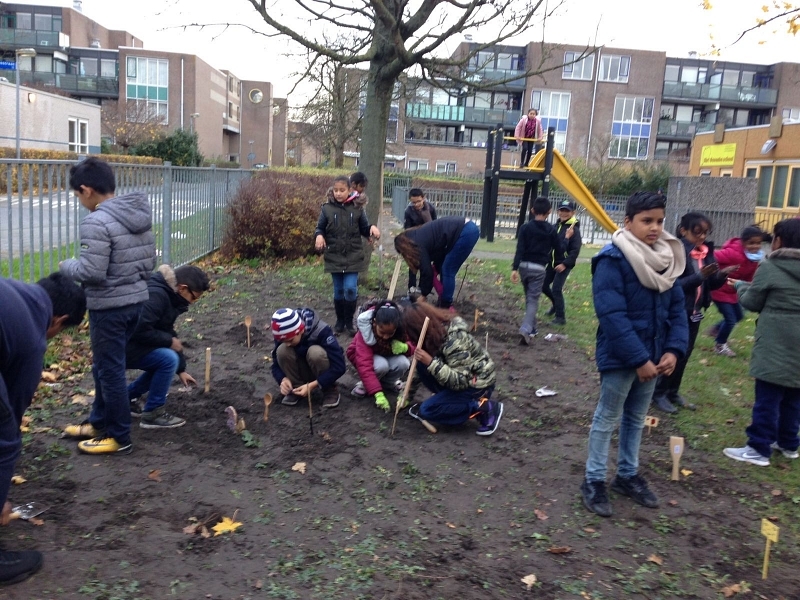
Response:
column 748, row 455
column 724, row 350
column 787, row 453
column 359, row 391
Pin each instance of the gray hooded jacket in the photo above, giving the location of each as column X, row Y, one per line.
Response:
column 118, row 253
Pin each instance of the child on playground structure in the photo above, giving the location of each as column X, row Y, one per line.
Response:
column 529, row 128
column 559, row 268
column 379, row 352
column 341, row 225
column 775, row 295
column 537, row 244
column 700, row 276
column 641, row 334
column 455, row 367
column 744, row 252
column 306, row 357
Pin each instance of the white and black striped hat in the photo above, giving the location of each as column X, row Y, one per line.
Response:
column 286, row 324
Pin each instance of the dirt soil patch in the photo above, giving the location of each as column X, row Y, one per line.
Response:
column 414, row 516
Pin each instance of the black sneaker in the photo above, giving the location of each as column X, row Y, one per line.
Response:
column 678, row 400
column 330, row 397
column 490, row 419
column 661, row 402
column 18, row 566
column 160, row 419
column 636, row 489
column 551, row 312
column 595, row 497
column 558, row 321
column 290, row 399
column 137, row 407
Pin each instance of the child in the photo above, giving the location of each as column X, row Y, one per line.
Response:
column 558, row 269
column 155, row 347
column 537, row 243
column 530, row 129
column 775, row 295
column 745, row 253
column 447, row 243
column 117, row 255
column 642, row 333
column 418, row 212
column 31, row 315
column 306, row 357
column 699, row 277
column 340, row 227
column 378, row 352
column 358, row 189
column 455, row 367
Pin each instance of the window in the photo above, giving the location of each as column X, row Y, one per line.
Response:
column 79, row 136
column 417, row 164
column 764, row 183
column 630, row 128
column 24, row 21
column 790, row 115
column 443, row 166
column 794, row 190
column 108, row 67
column 553, row 110
column 147, row 89
column 391, row 124
column 43, row 22
column 88, row 67
column 671, row 73
column 776, row 198
column 614, row 68
column 582, row 69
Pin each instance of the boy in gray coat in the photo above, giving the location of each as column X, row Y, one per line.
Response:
column 117, row 256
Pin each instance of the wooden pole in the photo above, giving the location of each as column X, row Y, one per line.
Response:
column 310, row 411
column 208, row 371
column 395, row 275
column 248, row 321
column 410, row 377
column 676, row 449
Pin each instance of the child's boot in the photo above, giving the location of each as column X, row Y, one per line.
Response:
column 338, row 305
column 349, row 313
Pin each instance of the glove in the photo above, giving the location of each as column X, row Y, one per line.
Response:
column 399, row 347
column 382, row 402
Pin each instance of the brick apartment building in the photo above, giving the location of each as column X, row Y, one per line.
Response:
column 235, row 120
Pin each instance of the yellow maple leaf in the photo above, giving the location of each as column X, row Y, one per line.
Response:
column 226, row 525
column 18, row 480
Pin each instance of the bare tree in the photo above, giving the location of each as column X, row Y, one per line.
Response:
column 129, row 124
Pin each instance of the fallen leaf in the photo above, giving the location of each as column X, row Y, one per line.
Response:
column 686, row 472
column 529, row 581
column 540, row 514
column 730, row 421
column 673, row 503
column 18, row 480
column 227, row 525
column 154, row 475
column 49, row 377
column 204, row 532
column 81, row 399
column 731, row 590
column 450, row 525
column 655, row 558
column 191, row 529
column 588, row 530
column 35, row 521
column 773, row 518
column 300, row 466
column 559, row 549
column 326, row 436
column 259, row 584
column 776, row 493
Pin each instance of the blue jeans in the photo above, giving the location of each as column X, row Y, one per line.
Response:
column 159, row 366
column 449, row 407
column 532, row 278
column 776, row 418
column 456, row 257
column 623, row 401
column 345, row 286
column 731, row 315
column 110, row 330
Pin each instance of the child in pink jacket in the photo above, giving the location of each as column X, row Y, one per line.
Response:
column 745, row 253
column 379, row 351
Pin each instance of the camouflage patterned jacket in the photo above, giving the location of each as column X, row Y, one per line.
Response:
column 462, row 362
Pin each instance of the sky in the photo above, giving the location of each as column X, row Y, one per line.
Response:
column 676, row 27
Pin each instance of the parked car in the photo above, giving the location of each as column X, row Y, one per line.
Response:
column 259, row 166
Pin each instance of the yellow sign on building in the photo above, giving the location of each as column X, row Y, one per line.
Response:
column 718, row 155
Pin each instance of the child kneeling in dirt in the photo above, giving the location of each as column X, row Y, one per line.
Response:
column 378, row 352
column 642, row 332
column 306, row 356
column 455, row 367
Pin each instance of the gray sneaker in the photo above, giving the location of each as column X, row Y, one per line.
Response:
column 160, row 419
column 792, row 454
column 748, row 455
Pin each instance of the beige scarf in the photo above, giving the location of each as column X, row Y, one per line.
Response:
column 656, row 266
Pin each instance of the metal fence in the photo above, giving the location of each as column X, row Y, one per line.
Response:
column 40, row 216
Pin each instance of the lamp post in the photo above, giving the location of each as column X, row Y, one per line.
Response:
column 20, row 53
column 192, row 117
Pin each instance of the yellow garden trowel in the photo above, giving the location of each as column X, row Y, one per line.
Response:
column 27, row 511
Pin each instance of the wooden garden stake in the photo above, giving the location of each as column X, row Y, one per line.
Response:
column 486, row 346
column 247, row 322
column 208, row 371
column 402, row 402
column 310, row 412
column 475, row 324
column 267, row 402
column 650, row 422
column 395, row 275
column 770, row 531
column 676, row 449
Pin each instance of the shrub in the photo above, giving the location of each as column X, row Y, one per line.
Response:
column 179, row 147
column 274, row 215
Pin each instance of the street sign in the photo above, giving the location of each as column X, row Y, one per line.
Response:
column 8, row 65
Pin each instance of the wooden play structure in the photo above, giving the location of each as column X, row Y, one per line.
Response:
column 546, row 163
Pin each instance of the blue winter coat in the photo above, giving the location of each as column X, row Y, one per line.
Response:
column 636, row 324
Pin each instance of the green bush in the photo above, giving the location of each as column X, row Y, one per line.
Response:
column 179, row 147
column 274, row 215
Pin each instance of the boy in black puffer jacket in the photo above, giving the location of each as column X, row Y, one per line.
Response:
column 560, row 267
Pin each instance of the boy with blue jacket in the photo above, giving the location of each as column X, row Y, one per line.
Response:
column 641, row 334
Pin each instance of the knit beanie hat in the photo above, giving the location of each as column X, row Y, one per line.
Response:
column 286, row 324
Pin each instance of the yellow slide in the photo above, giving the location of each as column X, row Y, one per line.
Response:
column 568, row 179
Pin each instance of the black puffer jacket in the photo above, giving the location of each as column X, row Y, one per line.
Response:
column 157, row 324
column 343, row 225
column 691, row 279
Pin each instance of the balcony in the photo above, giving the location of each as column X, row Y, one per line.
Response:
column 26, row 38
column 681, row 130
column 511, row 78
column 725, row 94
column 80, row 85
column 462, row 114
